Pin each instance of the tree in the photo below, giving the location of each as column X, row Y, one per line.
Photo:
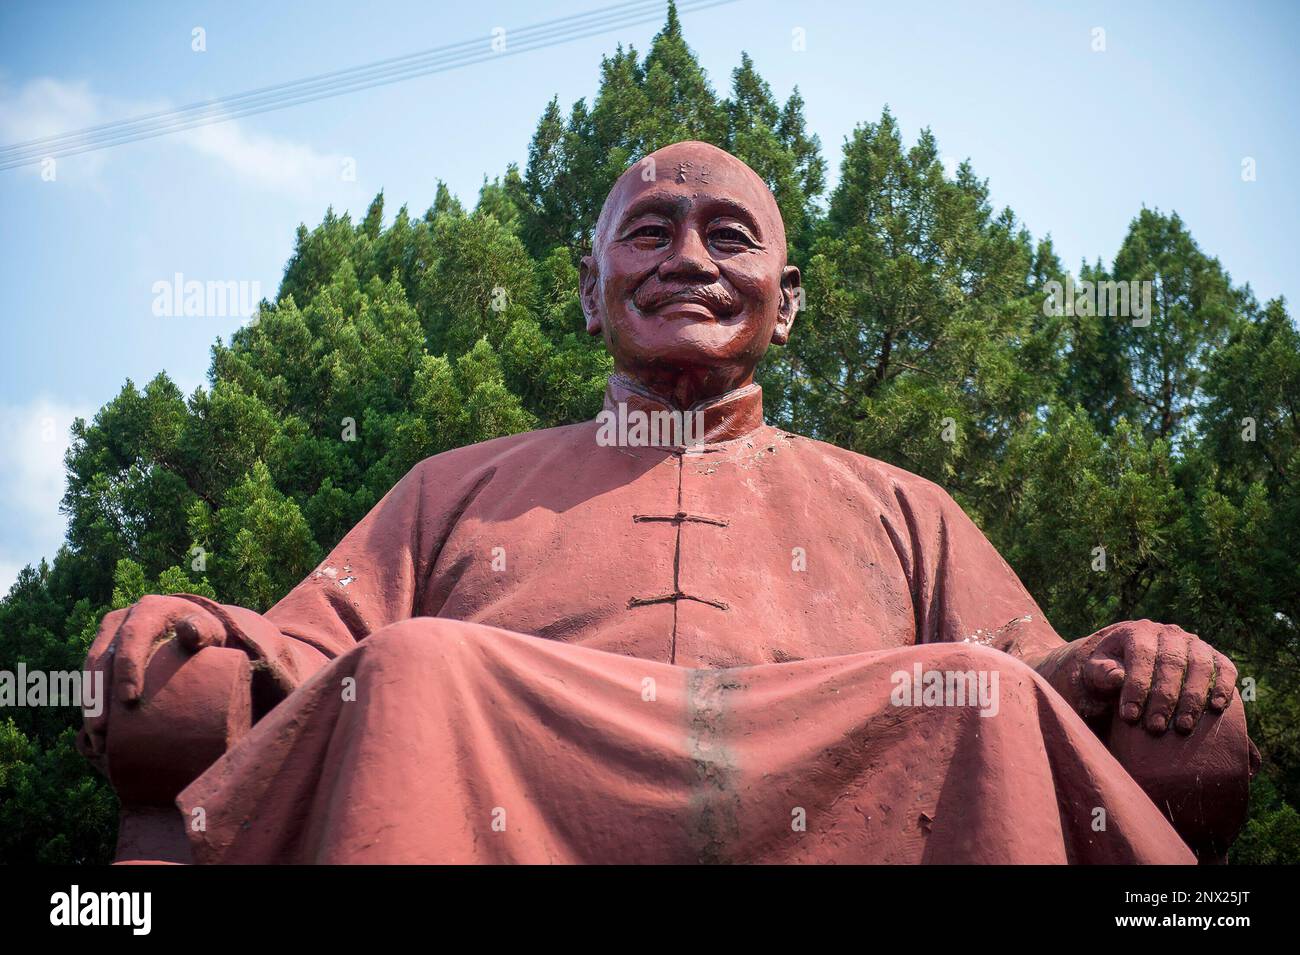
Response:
column 921, row 342
column 1148, row 367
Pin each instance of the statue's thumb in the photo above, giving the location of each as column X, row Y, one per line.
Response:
column 1104, row 675
column 194, row 633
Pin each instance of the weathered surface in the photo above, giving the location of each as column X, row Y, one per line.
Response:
column 473, row 745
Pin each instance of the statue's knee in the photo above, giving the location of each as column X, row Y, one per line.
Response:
column 971, row 656
column 964, row 678
column 422, row 637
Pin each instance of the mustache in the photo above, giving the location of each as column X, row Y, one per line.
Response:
column 716, row 298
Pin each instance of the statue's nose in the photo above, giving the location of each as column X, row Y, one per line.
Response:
column 690, row 259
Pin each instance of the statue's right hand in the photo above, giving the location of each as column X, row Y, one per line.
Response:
column 128, row 639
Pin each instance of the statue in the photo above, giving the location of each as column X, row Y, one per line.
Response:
column 588, row 644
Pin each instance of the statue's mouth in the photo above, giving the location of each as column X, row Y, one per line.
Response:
column 710, row 302
column 686, row 308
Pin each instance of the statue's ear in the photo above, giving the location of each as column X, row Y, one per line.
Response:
column 588, row 277
column 791, row 302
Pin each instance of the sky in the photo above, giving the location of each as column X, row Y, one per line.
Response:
column 1077, row 114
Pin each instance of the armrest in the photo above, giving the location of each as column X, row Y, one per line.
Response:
column 193, row 709
column 1201, row 782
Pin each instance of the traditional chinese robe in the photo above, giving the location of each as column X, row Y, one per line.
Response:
column 544, row 649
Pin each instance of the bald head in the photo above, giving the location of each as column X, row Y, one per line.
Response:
column 693, row 168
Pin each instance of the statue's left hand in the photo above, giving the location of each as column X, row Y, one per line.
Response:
column 126, row 643
column 1155, row 674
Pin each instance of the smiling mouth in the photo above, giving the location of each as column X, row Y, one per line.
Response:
column 691, row 304
column 685, row 307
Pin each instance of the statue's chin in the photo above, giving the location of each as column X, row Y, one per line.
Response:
column 695, row 358
column 687, row 335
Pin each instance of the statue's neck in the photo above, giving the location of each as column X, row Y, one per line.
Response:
column 725, row 417
column 682, row 387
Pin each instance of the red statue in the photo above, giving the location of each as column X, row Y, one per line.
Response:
column 586, row 644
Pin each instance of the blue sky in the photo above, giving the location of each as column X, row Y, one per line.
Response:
column 1073, row 139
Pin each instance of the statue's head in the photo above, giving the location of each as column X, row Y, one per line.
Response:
column 687, row 280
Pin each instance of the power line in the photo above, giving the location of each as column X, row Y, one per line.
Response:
column 319, row 82
column 340, row 82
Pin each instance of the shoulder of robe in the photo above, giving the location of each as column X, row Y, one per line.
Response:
column 468, row 463
column 882, row 480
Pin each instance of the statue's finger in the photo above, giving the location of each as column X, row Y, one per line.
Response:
column 1104, row 675
column 108, row 628
column 145, row 627
column 1140, row 664
column 99, row 664
column 1196, row 686
column 1167, row 679
column 199, row 629
column 1225, row 683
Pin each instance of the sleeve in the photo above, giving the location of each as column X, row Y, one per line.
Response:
column 962, row 589
column 373, row 578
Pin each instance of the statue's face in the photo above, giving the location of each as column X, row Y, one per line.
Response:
column 688, row 270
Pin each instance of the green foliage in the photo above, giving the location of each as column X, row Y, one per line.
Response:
column 920, row 308
column 1151, row 373
column 925, row 342
column 1272, row 834
column 52, row 811
column 1077, row 492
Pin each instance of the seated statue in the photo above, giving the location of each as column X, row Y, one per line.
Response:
column 590, row 644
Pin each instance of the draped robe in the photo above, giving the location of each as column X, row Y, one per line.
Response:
column 544, row 649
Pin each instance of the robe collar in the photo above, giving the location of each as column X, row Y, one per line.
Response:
column 726, row 417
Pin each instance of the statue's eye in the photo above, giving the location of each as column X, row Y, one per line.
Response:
column 730, row 239
column 651, row 236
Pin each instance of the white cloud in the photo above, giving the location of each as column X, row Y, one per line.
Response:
column 265, row 160
column 47, row 107
column 34, row 437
